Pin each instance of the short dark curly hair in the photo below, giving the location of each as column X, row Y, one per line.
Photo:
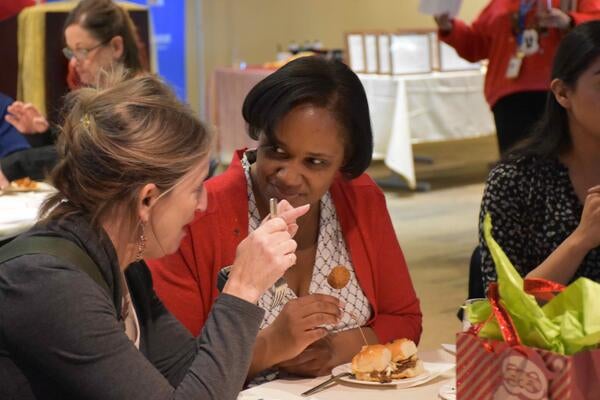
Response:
column 322, row 83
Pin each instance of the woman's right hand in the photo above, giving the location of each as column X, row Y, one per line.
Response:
column 444, row 22
column 26, row 118
column 300, row 324
column 554, row 18
column 588, row 230
column 264, row 256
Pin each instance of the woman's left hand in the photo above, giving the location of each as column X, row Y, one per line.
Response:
column 334, row 349
column 26, row 118
column 316, row 360
column 554, row 18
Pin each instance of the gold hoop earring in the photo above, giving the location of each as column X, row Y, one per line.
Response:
column 141, row 242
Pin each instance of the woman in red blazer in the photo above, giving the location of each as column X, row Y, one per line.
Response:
column 311, row 119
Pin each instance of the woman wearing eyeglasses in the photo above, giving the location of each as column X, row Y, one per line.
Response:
column 78, row 318
column 99, row 35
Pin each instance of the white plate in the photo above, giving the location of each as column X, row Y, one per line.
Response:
column 432, row 371
column 448, row 391
column 351, row 379
column 450, row 348
column 39, row 187
column 262, row 393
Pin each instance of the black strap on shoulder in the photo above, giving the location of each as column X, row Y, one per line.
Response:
column 58, row 247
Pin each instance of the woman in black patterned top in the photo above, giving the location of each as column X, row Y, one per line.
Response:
column 544, row 198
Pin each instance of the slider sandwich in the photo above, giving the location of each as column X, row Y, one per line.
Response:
column 382, row 363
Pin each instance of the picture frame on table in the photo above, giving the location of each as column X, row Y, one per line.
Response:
column 368, row 52
column 384, row 53
column 411, row 53
column 435, row 45
column 449, row 60
column 355, row 51
column 371, row 53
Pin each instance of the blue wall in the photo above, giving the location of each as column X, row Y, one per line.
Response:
column 168, row 22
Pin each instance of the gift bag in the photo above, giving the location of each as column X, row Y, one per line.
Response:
column 517, row 349
column 493, row 370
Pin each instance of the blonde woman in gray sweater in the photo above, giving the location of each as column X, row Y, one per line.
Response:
column 77, row 320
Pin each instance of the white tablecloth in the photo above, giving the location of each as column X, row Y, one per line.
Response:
column 424, row 108
column 404, row 110
column 284, row 389
column 18, row 212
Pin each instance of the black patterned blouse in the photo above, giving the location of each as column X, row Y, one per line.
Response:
column 534, row 208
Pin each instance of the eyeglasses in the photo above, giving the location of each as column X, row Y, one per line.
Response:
column 80, row 54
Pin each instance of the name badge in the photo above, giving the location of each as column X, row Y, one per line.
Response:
column 514, row 66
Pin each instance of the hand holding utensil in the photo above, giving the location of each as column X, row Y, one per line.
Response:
column 280, row 286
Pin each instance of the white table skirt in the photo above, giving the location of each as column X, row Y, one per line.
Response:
column 404, row 110
column 284, row 389
column 424, row 108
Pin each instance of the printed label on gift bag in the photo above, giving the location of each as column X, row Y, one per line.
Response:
column 524, row 377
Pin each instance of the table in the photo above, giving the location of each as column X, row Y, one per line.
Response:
column 404, row 110
column 346, row 391
column 18, row 211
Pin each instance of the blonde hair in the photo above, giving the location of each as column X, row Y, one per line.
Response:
column 118, row 138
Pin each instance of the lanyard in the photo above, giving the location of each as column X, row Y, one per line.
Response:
column 524, row 8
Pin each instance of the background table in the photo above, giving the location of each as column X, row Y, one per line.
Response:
column 346, row 391
column 404, row 110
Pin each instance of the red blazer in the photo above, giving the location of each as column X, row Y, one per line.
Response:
column 186, row 280
column 491, row 37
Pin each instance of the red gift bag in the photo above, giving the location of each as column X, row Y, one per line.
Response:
column 494, row 370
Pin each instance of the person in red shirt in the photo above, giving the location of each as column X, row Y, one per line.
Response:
column 519, row 38
column 311, row 119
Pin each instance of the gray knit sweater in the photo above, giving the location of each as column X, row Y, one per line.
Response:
column 60, row 337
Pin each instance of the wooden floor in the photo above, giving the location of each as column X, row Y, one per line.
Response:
column 437, row 229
